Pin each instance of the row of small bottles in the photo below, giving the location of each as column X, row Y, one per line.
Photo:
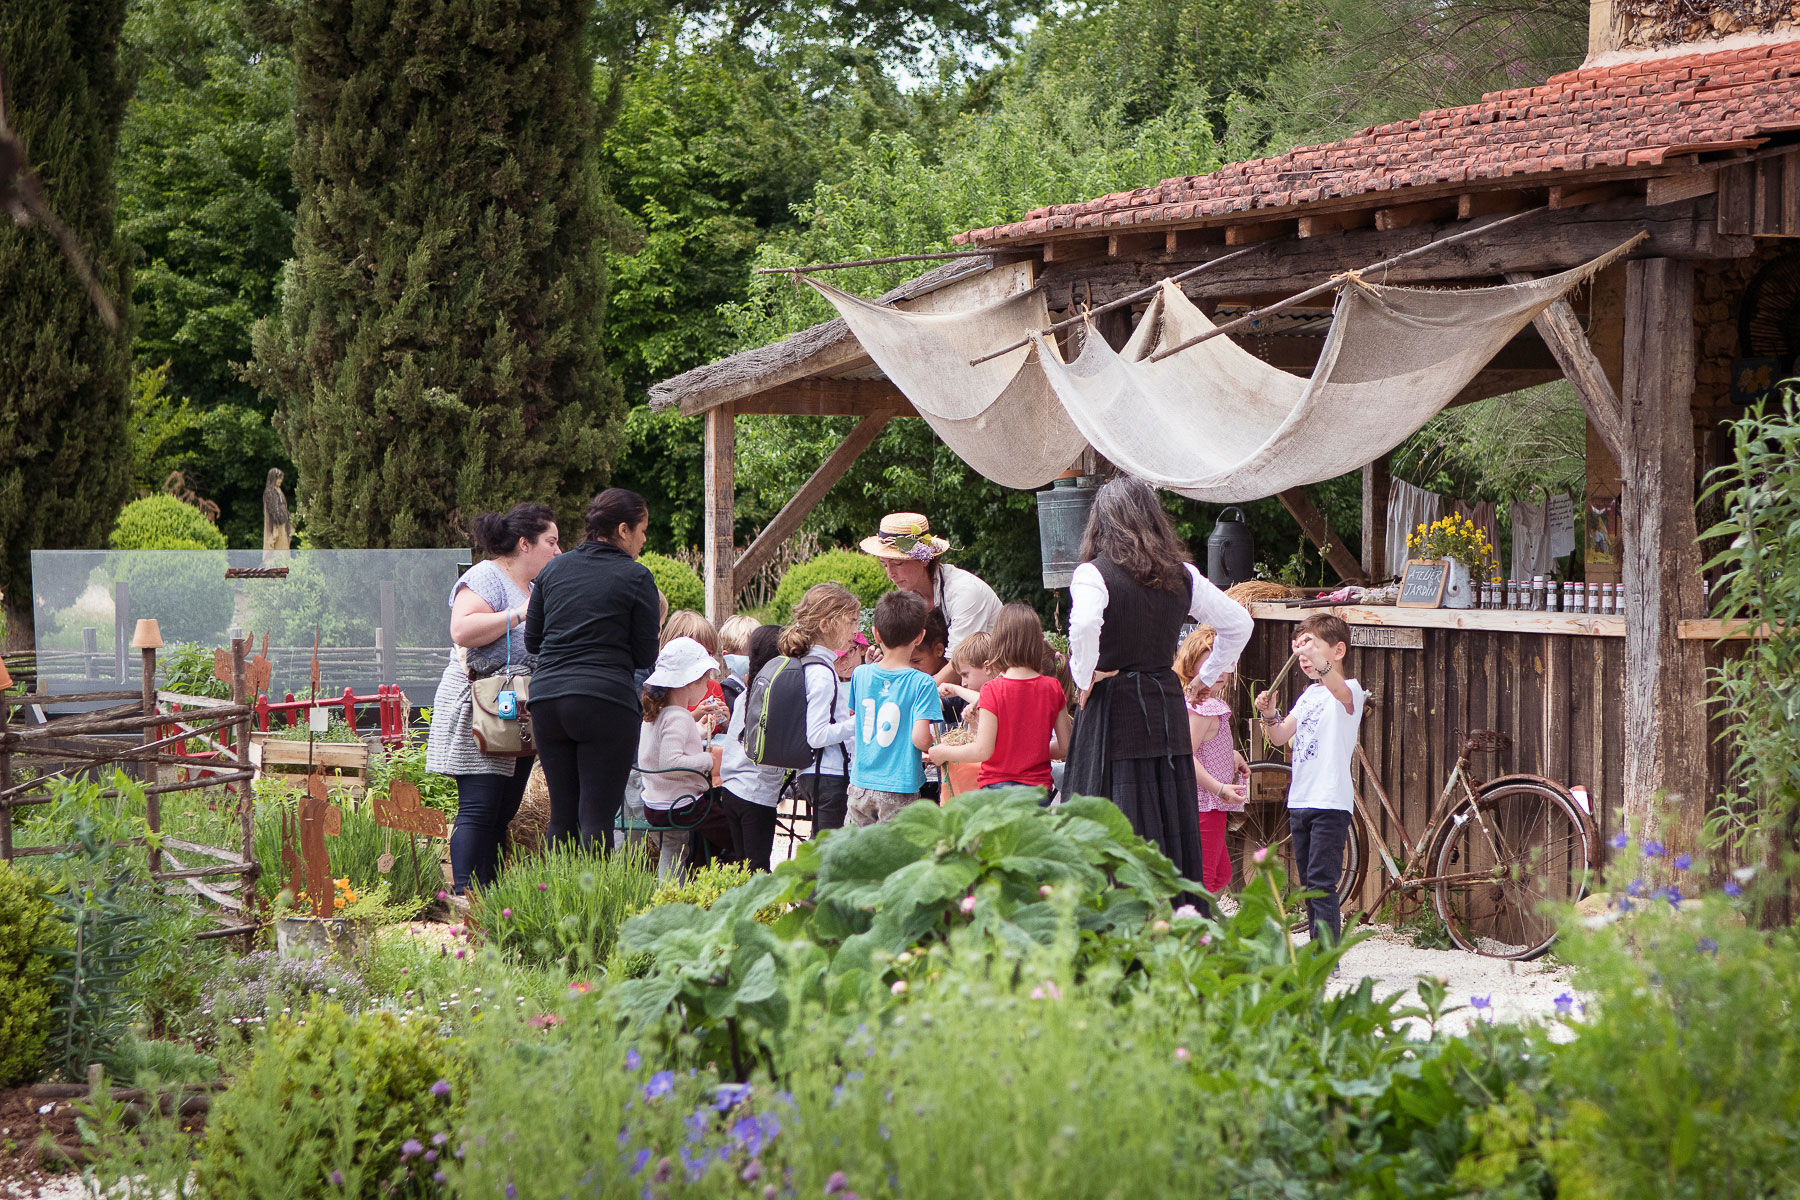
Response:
column 1543, row 594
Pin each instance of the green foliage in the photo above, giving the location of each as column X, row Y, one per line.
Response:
column 565, row 907
column 187, row 667
column 355, row 852
column 65, row 463
column 146, row 1063
column 864, row 896
column 677, row 581
column 28, row 934
column 1758, row 691
column 438, row 349
column 105, row 938
column 184, row 589
column 702, row 887
column 331, row 1092
column 160, row 423
column 857, row 571
column 163, row 522
column 248, row 992
column 1680, row 1082
column 407, row 761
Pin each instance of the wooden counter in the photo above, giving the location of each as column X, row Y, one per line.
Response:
column 1485, row 620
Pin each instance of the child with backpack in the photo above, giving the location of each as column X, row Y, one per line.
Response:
column 797, row 713
column 894, row 707
column 1022, row 721
column 751, row 792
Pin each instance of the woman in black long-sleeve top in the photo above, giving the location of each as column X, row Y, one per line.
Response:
column 592, row 623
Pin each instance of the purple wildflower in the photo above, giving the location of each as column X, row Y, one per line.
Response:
column 633, row 1060
column 661, row 1084
column 512, row 1192
column 439, row 1138
column 439, row 1178
column 696, row 1123
column 1481, row 1003
column 409, row 1148
column 1684, row 862
column 1732, row 888
column 1565, row 1004
column 337, row 1179
column 1619, row 840
column 752, row 1171
column 1653, row 849
column 730, row 1095
column 1707, row 946
column 441, row 1088
column 431, row 1156
column 640, row 1162
column 543, row 887
column 836, row 1183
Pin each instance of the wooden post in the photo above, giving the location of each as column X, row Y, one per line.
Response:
column 721, row 512
column 384, row 634
column 1666, row 736
column 1377, row 479
column 90, row 652
column 240, row 650
column 1606, row 334
column 121, row 629
column 1299, row 502
column 152, row 801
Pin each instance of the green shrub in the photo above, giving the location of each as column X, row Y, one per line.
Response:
column 28, row 931
column 184, row 589
column 859, row 572
column 703, row 886
column 565, row 907
column 331, row 1093
column 187, row 667
column 677, row 581
column 246, row 993
column 355, row 852
column 164, row 523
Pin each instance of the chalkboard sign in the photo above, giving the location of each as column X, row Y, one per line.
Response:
column 1423, row 584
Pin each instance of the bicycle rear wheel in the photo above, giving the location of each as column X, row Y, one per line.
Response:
column 1266, row 824
column 1500, row 860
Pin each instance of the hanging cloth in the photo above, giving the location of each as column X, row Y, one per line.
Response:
column 1215, row 423
column 1408, row 508
column 999, row 416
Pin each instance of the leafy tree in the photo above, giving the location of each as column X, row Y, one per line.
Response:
column 206, row 193
column 438, row 349
column 64, row 464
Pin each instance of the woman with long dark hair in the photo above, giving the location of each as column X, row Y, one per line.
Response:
column 1128, row 599
column 487, row 628
column 592, row 623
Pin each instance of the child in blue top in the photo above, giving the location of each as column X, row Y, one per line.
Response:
column 889, row 701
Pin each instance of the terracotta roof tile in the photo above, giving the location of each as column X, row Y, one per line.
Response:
column 1630, row 114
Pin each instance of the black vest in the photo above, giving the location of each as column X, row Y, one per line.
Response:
column 1138, row 638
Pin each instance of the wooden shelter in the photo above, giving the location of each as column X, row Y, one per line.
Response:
column 1696, row 145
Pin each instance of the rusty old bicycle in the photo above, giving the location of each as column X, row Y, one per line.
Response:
column 1494, row 858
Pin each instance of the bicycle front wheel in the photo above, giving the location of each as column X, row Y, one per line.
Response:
column 1504, row 859
column 1265, row 823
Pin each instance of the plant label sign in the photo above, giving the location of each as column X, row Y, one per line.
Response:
column 1422, row 586
column 1383, row 637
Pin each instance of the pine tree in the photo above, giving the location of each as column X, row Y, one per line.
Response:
column 64, row 460
column 438, row 352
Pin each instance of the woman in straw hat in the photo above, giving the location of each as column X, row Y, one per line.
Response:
column 913, row 559
column 1128, row 599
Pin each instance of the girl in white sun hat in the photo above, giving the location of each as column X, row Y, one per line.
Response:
column 677, row 767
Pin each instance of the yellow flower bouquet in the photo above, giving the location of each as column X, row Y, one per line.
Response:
column 1458, row 538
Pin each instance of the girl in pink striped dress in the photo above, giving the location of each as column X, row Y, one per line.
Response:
column 1219, row 770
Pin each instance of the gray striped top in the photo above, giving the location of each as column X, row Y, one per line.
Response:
column 451, row 749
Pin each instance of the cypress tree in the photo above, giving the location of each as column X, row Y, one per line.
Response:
column 65, row 464
column 438, row 351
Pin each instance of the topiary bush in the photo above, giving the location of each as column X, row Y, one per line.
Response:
column 164, row 523
column 677, row 581
column 859, row 572
column 339, row 1106
column 29, row 931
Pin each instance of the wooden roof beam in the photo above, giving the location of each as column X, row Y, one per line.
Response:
column 1580, row 195
column 1132, row 244
column 1405, row 216
column 1319, row 224
column 1497, row 203
column 1261, row 231
column 1069, row 249
column 828, row 398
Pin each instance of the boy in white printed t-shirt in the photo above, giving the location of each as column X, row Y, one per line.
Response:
column 1323, row 728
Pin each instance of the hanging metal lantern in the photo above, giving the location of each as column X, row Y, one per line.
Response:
column 1230, row 550
column 1062, row 516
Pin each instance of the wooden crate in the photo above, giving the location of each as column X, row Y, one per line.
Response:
column 345, row 765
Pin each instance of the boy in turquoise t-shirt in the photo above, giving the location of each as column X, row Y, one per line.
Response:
column 889, row 700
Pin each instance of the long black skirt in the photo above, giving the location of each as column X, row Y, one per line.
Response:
column 1159, row 795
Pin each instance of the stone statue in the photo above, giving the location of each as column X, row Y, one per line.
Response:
column 278, row 523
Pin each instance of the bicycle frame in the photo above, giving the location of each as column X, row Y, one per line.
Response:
column 1402, row 878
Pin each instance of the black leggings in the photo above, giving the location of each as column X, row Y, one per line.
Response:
column 485, row 806
column 752, row 830
column 587, row 747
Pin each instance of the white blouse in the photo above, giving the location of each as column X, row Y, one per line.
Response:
column 1088, row 596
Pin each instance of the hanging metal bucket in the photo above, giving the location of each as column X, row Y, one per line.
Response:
column 1230, row 550
column 1062, row 515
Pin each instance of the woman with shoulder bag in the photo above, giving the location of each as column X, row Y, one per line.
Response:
column 487, row 627
column 593, row 624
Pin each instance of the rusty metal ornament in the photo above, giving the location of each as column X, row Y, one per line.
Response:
column 319, row 818
column 404, row 809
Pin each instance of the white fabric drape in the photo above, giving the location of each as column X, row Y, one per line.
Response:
column 1214, row 422
column 1000, row 416
column 1408, row 508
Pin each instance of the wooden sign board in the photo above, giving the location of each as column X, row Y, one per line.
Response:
column 1422, row 586
column 1384, row 637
